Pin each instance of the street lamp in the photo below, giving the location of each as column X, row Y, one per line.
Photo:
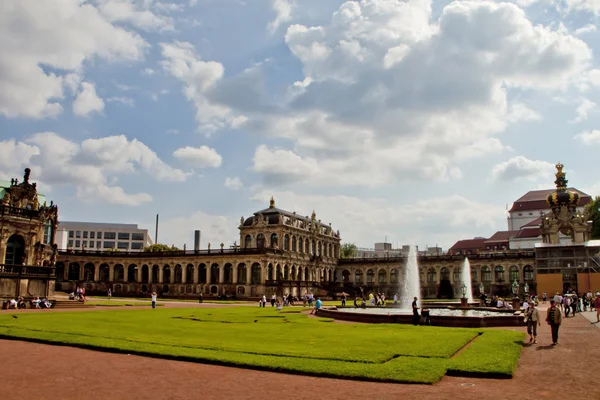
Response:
column 464, row 290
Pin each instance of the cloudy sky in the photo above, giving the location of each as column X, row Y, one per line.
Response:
column 412, row 120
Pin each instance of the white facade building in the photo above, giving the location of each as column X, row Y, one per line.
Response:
column 101, row 236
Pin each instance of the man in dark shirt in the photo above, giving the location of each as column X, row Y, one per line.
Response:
column 554, row 319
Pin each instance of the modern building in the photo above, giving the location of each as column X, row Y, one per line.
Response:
column 101, row 236
column 27, row 240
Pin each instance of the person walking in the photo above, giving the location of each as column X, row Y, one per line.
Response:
column 554, row 319
column 415, row 309
column 597, row 306
column 533, row 321
column 153, row 298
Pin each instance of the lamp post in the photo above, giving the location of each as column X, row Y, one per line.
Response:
column 463, row 299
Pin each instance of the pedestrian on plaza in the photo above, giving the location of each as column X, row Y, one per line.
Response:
column 153, row 298
column 533, row 321
column 545, row 297
column 597, row 305
column 415, row 309
column 554, row 319
column 109, row 293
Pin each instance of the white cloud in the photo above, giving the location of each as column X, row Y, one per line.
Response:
column 586, row 29
column 172, row 132
column 181, row 61
column 583, row 109
column 87, row 101
column 283, row 14
column 203, row 156
column 234, row 183
column 123, row 100
column 61, row 37
column 520, row 112
column 520, row 167
column 589, row 137
column 591, row 6
column 138, row 13
column 15, row 155
column 148, row 71
column 118, row 154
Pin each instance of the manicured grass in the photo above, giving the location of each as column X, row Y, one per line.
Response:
column 266, row 339
column 118, row 303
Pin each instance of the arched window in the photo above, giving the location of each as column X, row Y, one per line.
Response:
column 528, row 273
column 132, row 273
column 320, row 248
column 278, row 272
column 274, row 241
column 314, row 247
column 444, row 274
column 431, row 275
column 202, row 273
column 74, row 271
column 499, row 273
column 155, row 273
column 119, row 273
column 145, row 273
column 370, row 276
column 382, row 276
column 178, row 274
column 270, row 272
column 286, row 242
column 513, row 273
column 394, row 275
column 293, row 273
column 329, row 251
column 189, row 273
column 255, row 274
column 248, row 241
column 286, row 273
column 241, row 274
column 15, row 251
column 473, row 274
column 214, row 273
column 260, row 241
column 457, row 275
column 88, row 272
column 166, row 274
column 306, row 246
column 358, row 277
column 228, row 273
column 486, row 274
column 294, row 247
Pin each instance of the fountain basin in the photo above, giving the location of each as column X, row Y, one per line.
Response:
column 449, row 317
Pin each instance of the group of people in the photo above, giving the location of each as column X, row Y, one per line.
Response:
column 78, row 295
column 36, row 302
column 289, row 300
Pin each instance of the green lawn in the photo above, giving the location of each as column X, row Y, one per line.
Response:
column 120, row 303
column 287, row 341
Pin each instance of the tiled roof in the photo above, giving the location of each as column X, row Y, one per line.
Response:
column 536, row 200
column 529, row 233
column 501, row 236
column 469, row 244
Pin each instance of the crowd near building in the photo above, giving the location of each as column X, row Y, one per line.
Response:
column 546, row 248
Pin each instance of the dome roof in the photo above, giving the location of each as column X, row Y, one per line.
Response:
column 562, row 196
column 272, row 215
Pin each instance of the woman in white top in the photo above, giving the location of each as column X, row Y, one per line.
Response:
column 533, row 321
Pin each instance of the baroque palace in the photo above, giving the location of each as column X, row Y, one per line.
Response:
column 281, row 252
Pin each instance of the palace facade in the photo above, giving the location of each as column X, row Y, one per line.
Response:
column 282, row 252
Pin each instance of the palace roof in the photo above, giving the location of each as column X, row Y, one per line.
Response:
column 536, row 200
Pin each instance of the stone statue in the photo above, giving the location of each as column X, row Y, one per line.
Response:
column 36, row 203
column 242, row 220
column 6, row 199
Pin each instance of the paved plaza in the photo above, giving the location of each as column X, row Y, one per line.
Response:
column 544, row 372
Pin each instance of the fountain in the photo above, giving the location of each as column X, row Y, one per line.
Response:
column 411, row 280
column 466, row 278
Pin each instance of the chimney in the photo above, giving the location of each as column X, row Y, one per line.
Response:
column 196, row 240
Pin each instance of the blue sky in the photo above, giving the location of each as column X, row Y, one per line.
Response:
column 414, row 121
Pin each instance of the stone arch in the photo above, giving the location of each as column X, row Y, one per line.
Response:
column 528, row 273
column 255, row 274
column 286, row 273
column 155, row 273
column 431, row 275
column 74, row 271
column 444, row 274
column 227, row 273
column 60, row 271
column 286, row 242
column 358, row 277
column 313, row 249
column 330, row 250
column 118, row 273
column 293, row 273
column 248, row 241
column 132, row 273
column 514, row 274
column 166, row 274
column 274, row 240
column 278, row 274
column 270, row 272
column 370, row 276
column 294, row 244
column 457, row 275
column 189, row 273
column 306, row 274
column 89, row 271
column 382, row 276
column 499, row 273
column 177, row 274
column 202, row 273
column 145, row 273
column 319, row 248
column 260, row 241
column 306, row 246
column 486, row 274
column 104, row 273
column 241, row 274
column 15, row 251
column 214, row 274
column 473, row 274
column 393, row 275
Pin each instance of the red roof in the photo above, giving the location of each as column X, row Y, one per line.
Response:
column 529, row 233
column 535, row 223
column 468, row 244
column 502, row 236
column 536, row 200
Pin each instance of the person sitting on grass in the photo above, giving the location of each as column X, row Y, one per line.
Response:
column 278, row 305
column 317, row 307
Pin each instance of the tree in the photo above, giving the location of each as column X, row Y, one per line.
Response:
column 348, row 250
column 593, row 210
column 159, row 247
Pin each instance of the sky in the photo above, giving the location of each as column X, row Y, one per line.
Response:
column 415, row 122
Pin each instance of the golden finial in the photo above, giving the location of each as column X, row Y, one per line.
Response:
column 272, row 203
column 559, row 168
column 314, row 215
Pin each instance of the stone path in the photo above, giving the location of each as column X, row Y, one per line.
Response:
column 544, row 372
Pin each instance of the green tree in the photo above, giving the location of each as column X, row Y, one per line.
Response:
column 593, row 210
column 159, row 247
column 348, row 250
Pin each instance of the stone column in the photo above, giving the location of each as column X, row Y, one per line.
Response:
column 235, row 275
column 248, row 275
column 221, row 273
column 161, row 274
column 208, row 273
column 96, row 273
column 111, row 273
column 150, row 273
column 184, row 273
column 139, row 274
column 81, row 272
column 125, row 273
column 196, row 274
